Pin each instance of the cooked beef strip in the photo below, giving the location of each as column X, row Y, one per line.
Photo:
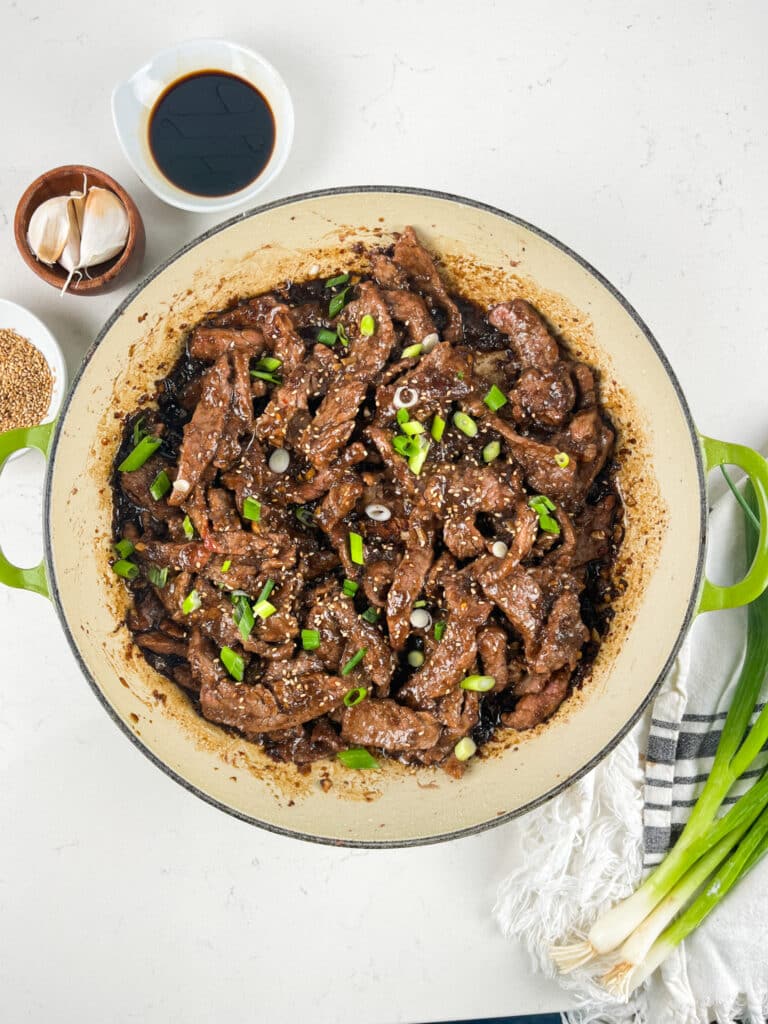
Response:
column 528, row 617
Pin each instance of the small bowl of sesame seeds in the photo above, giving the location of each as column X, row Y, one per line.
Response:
column 33, row 376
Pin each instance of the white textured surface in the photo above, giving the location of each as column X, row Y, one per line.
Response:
column 636, row 134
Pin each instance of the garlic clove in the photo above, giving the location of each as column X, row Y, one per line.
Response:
column 70, row 254
column 48, row 229
column 104, row 227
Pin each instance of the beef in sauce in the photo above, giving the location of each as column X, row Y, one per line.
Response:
column 375, row 515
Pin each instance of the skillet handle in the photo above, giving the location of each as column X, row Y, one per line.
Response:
column 723, row 453
column 11, row 441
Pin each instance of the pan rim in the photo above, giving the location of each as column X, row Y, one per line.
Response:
column 479, row 827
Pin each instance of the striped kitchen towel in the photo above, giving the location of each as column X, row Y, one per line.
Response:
column 589, row 846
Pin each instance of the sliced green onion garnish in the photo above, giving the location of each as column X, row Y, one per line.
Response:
column 337, row 303
column 354, row 661
column 269, row 363
column 440, row 628
column 304, row 515
column 332, row 282
column 264, row 609
column 310, row 639
column 412, row 351
column 355, row 696
column 160, row 485
column 138, row 430
column 270, row 378
column 128, row 570
column 371, row 615
column 438, row 427
column 356, row 552
column 191, row 602
column 491, row 451
column 252, row 509
column 266, row 590
column 342, row 333
column 495, row 398
column 233, row 663
column 157, row 577
column 415, row 658
column 189, row 530
column 416, row 462
column 562, row 459
column 542, row 506
column 419, row 604
column 480, row 684
column 465, row 748
column 403, row 416
column 412, row 427
column 404, row 445
column 326, row 337
column 244, row 617
column 541, row 503
column 226, row 565
column 144, row 450
column 357, row 758
column 349, row 588
column 465, row 424
column 124, row 548
column 367, row 326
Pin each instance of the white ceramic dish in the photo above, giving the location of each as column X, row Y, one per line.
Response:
column 133, row 100
column 19, row 319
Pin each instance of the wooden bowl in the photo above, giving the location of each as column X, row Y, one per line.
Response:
column 60, row 182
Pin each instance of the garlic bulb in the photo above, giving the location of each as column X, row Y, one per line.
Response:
column 105, row 227
column 80, row 230
column 49, row 229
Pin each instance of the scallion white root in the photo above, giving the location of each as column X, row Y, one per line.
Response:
column 575, row 954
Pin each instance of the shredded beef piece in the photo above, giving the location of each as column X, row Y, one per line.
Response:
column 455, row 564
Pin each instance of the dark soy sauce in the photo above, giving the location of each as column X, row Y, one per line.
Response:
column 211, row 133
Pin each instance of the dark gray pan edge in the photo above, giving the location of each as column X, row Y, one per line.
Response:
column 501, row 819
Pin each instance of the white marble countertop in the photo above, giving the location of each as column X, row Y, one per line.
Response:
column 633, row 132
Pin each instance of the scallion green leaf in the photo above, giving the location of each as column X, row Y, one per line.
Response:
column 495, row 398
column 465, row 748
column 491, row 451
column 562, row 459
column 304, row 515
column 356, row 551
column 138, row 430
column 226, row 565
column 357, row 758
column 438, row 427
column 465, row 424
column 417, row 460
column 270, row 378
column 403, row 416
column 124, row 548
column 355, row 696
column 354, row 661
column 371, row 615
column 160, row 485
column 144, row 450
column 233, row 663
column 349, row 588
column 127, row 570
column 479, row 684
column 157, row 577
column 440, row 628
column 367, row 326
column 337, row 303
column 266, row 590
column 191, row 602
column 252, row 509
column 412, row 427
column 333, row 282
column 342, row 333
column 269, row 364
column 189, row 530
column 326, row 337
column 412, row 351
column 310, row 639
column 264, row 609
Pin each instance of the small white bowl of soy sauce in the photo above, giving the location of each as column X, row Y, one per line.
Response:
column 206, row 124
